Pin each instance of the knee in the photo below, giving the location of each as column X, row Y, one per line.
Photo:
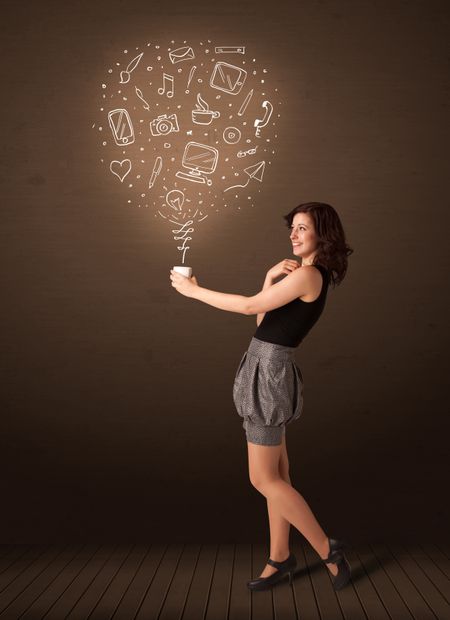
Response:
column 261, row 482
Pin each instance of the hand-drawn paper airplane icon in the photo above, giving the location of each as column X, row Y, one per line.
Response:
column 254, row 172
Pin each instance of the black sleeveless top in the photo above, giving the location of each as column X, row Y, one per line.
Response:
column 289, row 324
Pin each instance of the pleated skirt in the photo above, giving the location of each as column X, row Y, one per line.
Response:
column 268, row 391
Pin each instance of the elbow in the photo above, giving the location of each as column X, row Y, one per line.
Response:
column 248, row 307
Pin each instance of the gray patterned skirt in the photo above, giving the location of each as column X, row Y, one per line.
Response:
column 268, row 391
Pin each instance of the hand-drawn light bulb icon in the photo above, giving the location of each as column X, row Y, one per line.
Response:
column 260, row 123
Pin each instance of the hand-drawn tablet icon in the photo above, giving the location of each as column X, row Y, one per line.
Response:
column 228, row 78
column 120, row 168
column 121, row 127
column 182, row 53
column 199, row 160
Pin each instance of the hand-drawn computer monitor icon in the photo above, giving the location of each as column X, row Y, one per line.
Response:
column 228, row 78
column 121, row 127
column 198, row 159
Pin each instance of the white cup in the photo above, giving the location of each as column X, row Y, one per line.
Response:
column 185, row 271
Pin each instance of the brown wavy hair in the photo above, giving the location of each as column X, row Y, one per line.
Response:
column 332, row 249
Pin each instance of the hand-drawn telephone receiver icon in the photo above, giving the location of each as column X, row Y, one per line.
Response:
column 228, row 78
column 121, row 127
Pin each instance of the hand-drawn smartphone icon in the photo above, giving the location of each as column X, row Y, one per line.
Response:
column 121, row 127
column 228, row 78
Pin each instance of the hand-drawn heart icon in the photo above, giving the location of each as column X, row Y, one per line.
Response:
column 120, row 168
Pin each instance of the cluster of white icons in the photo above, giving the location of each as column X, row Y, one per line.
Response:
column 212, row 153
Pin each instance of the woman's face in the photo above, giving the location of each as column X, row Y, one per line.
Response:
column 303, row 236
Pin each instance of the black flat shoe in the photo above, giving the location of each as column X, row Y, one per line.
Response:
column 284, row 568
column 336, row 556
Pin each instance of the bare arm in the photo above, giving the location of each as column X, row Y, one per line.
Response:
column 267, row 283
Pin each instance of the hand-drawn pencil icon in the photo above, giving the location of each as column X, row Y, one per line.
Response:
column 146, row 106
column 191, row 75
column 121, row 127
column 245, row 104
column 233, row 49
column 163, row 125
column 203, row 115
column 260, row 123
column 182, row 53
column 228, row 78
column 167, row 84
column 231, row 135
column 199, row 160
column 120, row 168
column 125, row 75
column 156, row 170
column 254, row 172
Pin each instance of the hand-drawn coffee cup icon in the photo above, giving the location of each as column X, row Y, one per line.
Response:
column 163, row 125
column 182, row 53
column 228, row 78
column 185, row 271
column 121, row 127
column 203, row 115
column 199, row 160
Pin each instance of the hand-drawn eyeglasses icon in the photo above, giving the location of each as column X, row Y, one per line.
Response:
column 228, row 78
column 121, row 127
column 199, row 159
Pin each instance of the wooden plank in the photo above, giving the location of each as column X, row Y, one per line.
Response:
column 393, row 602
column 179, row 588
column 41, row 581
column 12, row 556
column 240, row 595
column 428, row 589
column 80, row 583
column 199, row 592
column 399, row 571
column 98, row 586
column 366, row 592
column 108, row 603
column 327, row 601
column 261, row 603
column 219, row 597
column 159, row 586
column 441, row 561
column 25, row 570
column 304, row 593
column 59, row 585
column 433, row 572
column 136, row 592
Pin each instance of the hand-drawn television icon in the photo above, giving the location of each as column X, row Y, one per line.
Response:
column 228, row 78
column 199, row 159
column 121, row 127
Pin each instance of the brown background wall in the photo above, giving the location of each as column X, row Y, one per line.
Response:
column 117, row 412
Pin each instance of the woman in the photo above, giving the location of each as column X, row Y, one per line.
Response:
column 268, row 386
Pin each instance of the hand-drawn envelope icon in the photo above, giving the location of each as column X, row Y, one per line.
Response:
column 182, row 53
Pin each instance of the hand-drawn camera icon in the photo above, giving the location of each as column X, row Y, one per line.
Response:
column 162, row 125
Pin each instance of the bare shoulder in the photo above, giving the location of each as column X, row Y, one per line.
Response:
column 313, row 280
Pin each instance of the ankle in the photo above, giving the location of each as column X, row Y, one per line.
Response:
column 324, row 549
column 280, row 556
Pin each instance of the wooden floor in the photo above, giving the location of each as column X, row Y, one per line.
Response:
column 195, row 582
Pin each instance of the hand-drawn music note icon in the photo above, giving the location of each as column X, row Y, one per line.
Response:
column 167, row 79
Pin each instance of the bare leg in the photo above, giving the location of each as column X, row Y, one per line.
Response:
column 264, row 472
column 278, row 525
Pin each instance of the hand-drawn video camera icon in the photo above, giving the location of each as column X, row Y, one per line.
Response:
column 163, row 125
column 228, row 78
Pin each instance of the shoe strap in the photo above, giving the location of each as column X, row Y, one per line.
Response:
column 334, row 556
column 277, row 564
